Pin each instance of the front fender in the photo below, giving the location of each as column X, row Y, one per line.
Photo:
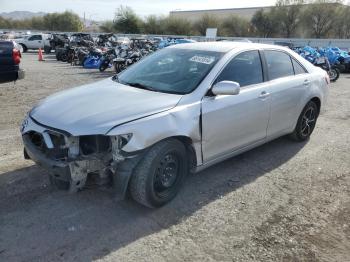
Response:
column 180, row 121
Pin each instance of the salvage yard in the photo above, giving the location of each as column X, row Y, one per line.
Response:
column 283, row 201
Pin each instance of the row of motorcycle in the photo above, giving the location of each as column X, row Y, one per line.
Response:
column 109, row 50
column 106, row 50
column 331, row 59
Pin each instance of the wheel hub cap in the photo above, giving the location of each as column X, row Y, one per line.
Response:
column 167, row 172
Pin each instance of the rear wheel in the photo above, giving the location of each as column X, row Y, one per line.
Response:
column 103, row 66
column 334, row 74
column 158, row 177
column 119, row 67
column 47, row 49
column 306, row 122
column 25, row 49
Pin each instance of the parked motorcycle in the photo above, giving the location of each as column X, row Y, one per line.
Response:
column 121, row 63
column 332, row 71
column 317, row 58
column 107, row 59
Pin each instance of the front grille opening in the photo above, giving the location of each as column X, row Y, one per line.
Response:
column 57, row 140
column 58, row 153
column 94, row 144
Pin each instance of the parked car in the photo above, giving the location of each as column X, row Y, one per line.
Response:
column 34, row 41
column 179, row 110
column 10, row 58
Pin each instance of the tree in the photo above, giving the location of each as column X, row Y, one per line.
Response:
column 320, row 16
column 235, row 26
column 342, row 23
column 153, row 25
column 177, row 26
column 107, row 27
column 67, row 21
column 5, row 23
column 126, row 21
column 287, row 14
column 206, row 21
column 37, row 23
column 264, row 23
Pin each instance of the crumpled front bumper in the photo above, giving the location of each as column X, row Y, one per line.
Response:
column 62, row 161
column 75, row 168
column 59, row 169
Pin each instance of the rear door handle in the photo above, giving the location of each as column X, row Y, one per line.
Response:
column 306, row 82
column 264, row 94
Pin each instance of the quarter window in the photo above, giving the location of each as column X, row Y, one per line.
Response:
column 298, row 69
column 279, row 64
column 244, row 69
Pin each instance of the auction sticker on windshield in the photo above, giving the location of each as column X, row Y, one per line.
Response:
column 203, row 59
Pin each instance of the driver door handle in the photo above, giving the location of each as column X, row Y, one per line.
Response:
column 264, row 94
column 306, row 82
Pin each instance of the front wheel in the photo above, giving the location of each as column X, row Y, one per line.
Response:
column 306, row 122
column 159, row 176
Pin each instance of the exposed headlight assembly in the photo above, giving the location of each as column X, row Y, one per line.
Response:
column 123, row 140
column 118, row 142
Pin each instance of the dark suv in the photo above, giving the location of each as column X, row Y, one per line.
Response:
column 10, row 58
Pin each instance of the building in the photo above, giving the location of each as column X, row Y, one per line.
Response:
column 195, row 15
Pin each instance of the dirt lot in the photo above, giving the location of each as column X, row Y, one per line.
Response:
column 283, row 201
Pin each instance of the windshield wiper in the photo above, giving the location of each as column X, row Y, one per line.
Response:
column 141, row 86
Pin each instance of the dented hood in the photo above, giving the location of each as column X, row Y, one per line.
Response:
column 96, row 108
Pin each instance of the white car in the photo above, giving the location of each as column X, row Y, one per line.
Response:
column 34, row 41
column 181, row 109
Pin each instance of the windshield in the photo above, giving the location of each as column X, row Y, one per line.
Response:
column 171, row 70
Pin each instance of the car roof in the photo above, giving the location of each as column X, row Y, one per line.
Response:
column 223, row 46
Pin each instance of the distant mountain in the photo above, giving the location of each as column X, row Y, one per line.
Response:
column 21, row 15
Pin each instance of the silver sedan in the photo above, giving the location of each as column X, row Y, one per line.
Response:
column 177, row 111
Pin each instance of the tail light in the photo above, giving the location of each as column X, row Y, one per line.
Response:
column 16, row 56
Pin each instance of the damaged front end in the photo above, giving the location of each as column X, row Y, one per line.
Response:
column 75, row 160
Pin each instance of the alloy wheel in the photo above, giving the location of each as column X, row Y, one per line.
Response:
column 308, row 121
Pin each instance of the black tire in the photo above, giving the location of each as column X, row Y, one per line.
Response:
column 47, row 50
column 306, row 122
column 159, row 176
column 59, row 183
column 117, row 68
column 103, row 67
column 64, row 57
column 334, row 74
column 25, row 49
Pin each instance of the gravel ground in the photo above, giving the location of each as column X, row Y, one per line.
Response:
column 283, row 201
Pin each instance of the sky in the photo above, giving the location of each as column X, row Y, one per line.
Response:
column 105, row 9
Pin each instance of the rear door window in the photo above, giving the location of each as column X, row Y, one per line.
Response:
column 279, row 64
column 245, row 69
column 298, row 69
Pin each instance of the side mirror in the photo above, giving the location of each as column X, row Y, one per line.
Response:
column 226, row 88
